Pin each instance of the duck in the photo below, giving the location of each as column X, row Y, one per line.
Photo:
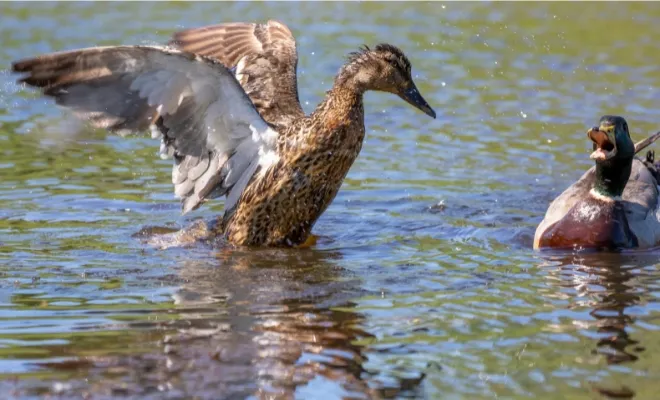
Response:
column 223, row 99
column 614, row 205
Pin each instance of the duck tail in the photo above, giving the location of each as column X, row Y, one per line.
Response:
column 651, row 165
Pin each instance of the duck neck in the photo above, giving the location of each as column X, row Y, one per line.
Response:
column 353, row 77
column 345, row 98
column 612, row 176
column 343, row 103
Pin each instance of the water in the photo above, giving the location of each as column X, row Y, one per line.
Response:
column 423, row 283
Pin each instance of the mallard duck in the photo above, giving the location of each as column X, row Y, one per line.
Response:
column 614, row 205
column 224, row 101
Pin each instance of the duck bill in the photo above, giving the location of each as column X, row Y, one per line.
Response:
column 416, row 100
column 604, row 142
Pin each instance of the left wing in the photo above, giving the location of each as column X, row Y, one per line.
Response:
column 209, row 125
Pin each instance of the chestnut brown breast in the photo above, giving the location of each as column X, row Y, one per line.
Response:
column 591, row 223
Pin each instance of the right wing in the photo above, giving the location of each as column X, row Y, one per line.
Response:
column 640, row 199
column 209, row 125
column 265, row 59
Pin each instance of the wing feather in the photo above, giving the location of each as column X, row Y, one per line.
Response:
column 265, row 58
column 205, row 120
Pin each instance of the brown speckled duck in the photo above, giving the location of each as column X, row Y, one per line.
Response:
column 224, row 101
column 614, row 205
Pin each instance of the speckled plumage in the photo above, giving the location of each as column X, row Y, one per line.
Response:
column 281, row 206
column 225, row 105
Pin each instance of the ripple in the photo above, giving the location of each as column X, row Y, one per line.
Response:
column 423, row 284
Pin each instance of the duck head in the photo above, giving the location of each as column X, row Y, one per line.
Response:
column 611, row 140
column 385, row 68
column 613, row 152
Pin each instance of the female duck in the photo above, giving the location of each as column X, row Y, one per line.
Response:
column 614, row 205
column 239, row 133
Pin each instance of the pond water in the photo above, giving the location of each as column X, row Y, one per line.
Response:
column 423, row 283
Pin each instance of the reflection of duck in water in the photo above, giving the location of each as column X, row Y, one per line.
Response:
column 614, row 204
column 242, row 134
column 612, row 284
column 288, row 323
column 609, row 285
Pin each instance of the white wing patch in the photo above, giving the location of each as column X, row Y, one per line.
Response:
column 239, row 70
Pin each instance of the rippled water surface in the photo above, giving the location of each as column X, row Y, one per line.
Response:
column 423, row 283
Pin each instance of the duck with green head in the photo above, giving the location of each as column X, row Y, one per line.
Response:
column 614, row 205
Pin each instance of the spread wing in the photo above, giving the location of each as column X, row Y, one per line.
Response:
column 208, row 124
column 265, row 59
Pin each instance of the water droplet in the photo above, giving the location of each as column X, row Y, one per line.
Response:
column 59, row 387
